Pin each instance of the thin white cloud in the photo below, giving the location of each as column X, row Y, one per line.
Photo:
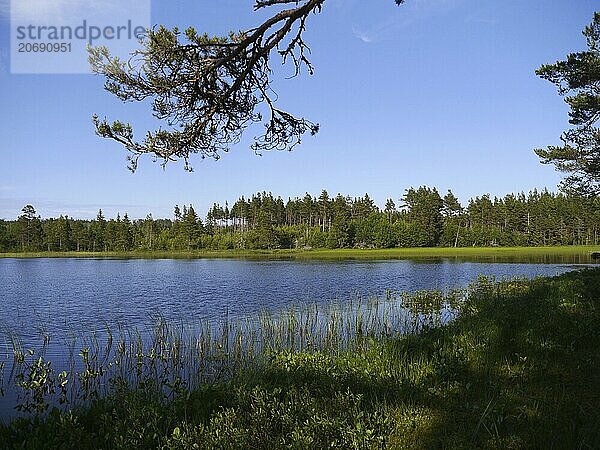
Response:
column 483, row 20
column 434, row 4
column 382, row 30
column 362, row 35
column 407, row 15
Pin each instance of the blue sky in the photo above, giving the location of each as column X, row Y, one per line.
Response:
column 435, row 92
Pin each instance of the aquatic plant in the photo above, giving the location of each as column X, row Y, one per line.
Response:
column 519, row 367
column 171, row 358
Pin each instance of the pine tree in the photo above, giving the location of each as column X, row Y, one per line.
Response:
column 29, row 229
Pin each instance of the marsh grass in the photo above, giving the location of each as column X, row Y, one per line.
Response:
column 519, row 367
column 550, row 254
column 171, row 358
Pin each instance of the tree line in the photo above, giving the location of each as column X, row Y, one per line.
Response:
column 420, row 218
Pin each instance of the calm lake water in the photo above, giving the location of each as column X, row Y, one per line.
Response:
column 64, row 298
column 59, row 295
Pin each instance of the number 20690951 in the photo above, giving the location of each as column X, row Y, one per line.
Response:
column 44, row 47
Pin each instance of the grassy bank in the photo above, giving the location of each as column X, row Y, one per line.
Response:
column 520, row 368
column 490, row 253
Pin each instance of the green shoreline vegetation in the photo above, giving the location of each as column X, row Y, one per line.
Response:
column 264, row 222
column 518, row 368
column 581, row 253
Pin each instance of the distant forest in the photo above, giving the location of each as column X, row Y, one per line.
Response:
column 422, row 218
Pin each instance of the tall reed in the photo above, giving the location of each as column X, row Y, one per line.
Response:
column 171, row 358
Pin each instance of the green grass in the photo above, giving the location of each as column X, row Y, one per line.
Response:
column 519, row 368
column 570, row 253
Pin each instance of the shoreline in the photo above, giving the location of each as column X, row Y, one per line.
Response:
column 581, row 252
column 521, row 358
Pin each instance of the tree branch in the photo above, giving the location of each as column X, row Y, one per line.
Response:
column 208, row 90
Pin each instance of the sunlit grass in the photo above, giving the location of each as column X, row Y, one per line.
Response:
column 567, row 253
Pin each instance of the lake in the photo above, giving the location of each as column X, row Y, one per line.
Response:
column 59, row 295
column 49, row 302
